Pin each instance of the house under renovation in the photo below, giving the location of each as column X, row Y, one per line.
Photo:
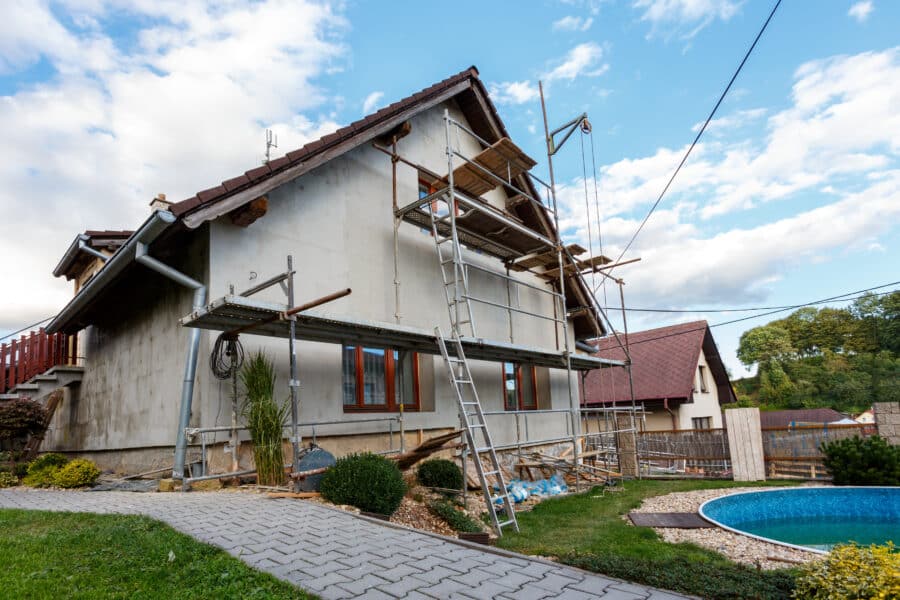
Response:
column 404, row 273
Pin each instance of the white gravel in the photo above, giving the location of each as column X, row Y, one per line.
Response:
column 738, row 548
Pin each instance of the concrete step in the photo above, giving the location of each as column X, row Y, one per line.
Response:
column 46, row 377
column 8, row 397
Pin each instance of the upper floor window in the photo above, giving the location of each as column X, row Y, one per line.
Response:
column 519, row 387
column 380, row 379
column 701, row 374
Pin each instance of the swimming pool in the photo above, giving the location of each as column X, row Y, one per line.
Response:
column 811, row 518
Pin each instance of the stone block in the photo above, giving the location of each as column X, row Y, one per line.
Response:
column 208, row 485
column 168, row 485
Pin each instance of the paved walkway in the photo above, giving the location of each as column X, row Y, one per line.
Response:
column 338, row 555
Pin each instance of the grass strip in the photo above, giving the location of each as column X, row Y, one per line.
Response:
column 78, row 555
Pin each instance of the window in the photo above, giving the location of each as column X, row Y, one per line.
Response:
column 701, row 373
column 380, row 379
column 701, row 422
column 519, row 387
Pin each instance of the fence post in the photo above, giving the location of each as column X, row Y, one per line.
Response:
column 3, row 348
column 20, row 368
column 745, row 444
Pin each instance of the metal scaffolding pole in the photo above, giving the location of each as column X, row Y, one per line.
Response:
column 294, row 382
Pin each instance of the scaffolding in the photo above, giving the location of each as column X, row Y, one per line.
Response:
column 462, row 221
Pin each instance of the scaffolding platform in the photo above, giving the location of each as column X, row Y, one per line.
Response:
column 236, row 312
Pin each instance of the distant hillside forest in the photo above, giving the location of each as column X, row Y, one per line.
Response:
column 840, row 358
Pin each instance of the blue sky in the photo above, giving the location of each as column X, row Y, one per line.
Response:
column 792, row 195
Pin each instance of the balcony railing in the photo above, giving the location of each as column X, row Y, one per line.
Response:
column 33, row 354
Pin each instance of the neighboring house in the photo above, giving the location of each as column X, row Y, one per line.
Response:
column 770, row 419
column 678, row 376
column 331, row 206
column 866, row 417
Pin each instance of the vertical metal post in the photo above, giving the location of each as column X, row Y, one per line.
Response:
column 509, row 311
column 394, row 160
column 573, row 410
column 294, row 383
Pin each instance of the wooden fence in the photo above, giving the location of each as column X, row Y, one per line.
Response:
column 32, row 354
column 690, row 452
column 793, row 452
column 789, row 452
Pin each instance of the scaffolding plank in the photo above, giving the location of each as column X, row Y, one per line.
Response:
column 503, row 159
column 232, row 312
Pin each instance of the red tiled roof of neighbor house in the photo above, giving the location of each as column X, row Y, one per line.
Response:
column 784, row 418
column 664, row 364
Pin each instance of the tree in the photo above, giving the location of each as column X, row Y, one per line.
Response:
column 764, row 344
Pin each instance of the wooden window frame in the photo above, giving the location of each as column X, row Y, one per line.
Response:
column 390, row 390
column 701, row 374
column 517, row 369
column 708, row 422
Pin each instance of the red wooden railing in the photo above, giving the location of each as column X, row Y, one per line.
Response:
column 32, row 354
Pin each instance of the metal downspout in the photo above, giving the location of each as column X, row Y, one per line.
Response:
column 190, row 364
column 82, row 245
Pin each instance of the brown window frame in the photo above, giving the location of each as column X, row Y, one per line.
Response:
column 703, row 421
column 518, row 369
column 390, row 390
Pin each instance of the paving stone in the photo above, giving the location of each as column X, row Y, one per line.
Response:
column 359, row 585
column 336, row 555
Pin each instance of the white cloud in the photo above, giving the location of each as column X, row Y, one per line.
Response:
column 725, row 125
column 684, row 18
column 182, row 109
column 570, row 23
column 513, row 92
column 582, row 60
column 842, row 122
column 371, row 102
column 861, row 10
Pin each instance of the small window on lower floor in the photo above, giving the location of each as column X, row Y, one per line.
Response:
column 701, row 422
column 379, row 379
column 519, row 387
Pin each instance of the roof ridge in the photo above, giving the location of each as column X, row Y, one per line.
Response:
column 311, row 148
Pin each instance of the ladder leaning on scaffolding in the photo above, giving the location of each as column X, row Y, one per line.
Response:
column 456, row 291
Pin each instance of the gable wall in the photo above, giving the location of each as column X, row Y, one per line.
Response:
column 706, row 404
column 337, row 223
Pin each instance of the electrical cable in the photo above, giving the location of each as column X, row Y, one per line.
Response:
column 227, row 356
column 841, row 298
column 8, row 335
column 700, row 133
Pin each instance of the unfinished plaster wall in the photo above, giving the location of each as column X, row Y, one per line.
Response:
column 131, row 389
column 337, row 223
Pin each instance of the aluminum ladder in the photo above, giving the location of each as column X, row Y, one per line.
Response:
column 455, row 279
column 473, row 421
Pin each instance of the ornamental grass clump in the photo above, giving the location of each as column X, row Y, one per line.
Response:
column 265, row 419
column 367, row 481
column 851, row 571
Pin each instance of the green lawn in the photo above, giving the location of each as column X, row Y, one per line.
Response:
column 76, row 555
column 588, row 531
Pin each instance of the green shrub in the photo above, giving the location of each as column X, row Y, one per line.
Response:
column 712, row 580
column 851, row 571
column 78, row 473
column 440, row 473
column 454, row 517
column 367, row 481
column 20, row 470
column 7, row 479
column 50, row 459
column 265, row 419
column 21, row 418
column 42, row 470
column 862, row 461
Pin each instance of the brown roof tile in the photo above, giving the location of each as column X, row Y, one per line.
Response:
column 258, row 173
column 664, row 362
column 235, row 183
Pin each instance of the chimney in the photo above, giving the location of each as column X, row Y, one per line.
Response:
column 159, row 203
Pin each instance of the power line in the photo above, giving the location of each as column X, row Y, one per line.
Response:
column 733, row 310
column 700, row 133
column 841, row 297
column 26, row 328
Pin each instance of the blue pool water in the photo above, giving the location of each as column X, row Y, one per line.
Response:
column 815, row 518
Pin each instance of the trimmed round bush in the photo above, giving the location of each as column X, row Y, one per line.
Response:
column 367, row 481
column 851, row 571
column 78, row 473
column 862, row 461
column 7, row 479
column 50, row 459
column 440, row 473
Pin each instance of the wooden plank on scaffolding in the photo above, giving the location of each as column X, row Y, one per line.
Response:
column 543, row 259
column 503, row 159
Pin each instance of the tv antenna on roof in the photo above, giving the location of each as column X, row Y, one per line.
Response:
column 271, row 142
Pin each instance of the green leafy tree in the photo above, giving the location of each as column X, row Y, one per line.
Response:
column 762, row 345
